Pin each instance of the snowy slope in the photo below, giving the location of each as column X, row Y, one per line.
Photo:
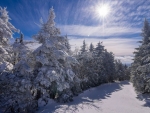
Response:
column 32, row 44
column 107, row 98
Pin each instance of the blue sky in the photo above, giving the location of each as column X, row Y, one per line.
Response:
column 119, row 31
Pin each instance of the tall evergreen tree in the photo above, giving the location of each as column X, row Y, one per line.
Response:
column 55, row 77
column 91, row 47
column 20, row 97
column 19, row 49
column 67, row 44
column 140, row 67
column 21, row 85
column 146, row 32
column 97, row 68
column 6, row 32
column 83, row 47
column 109, row 66
column 120, row 71
column 6, row 28
column 99, row 49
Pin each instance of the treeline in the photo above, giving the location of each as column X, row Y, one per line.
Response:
column 28, row 78
column 98, row 66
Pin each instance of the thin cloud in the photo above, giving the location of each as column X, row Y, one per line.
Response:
column 119, row 46
column 125, row 59
column 82, row 30
column 122, row 48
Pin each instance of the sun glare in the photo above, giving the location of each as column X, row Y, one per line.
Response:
column 103, row 10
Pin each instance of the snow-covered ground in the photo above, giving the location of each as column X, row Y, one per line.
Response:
column 108, row 98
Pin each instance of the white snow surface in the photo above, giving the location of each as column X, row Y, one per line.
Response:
column 118, row 97
column 32, row 45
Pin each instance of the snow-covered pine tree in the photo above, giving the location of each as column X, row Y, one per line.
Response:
column 6, row 32
column 140, row 71
column 83, row 47
column 99, row 57
column 19, row 49
column 84, row 57
column 22, row 57
column 120, row 73
column 20, row 99
column 21, row 81
column 96, row 68
column 127, row 72
column 109, row 66
column 85, row 69
column 91, row 47
column 68, row 45
column 99, row 50
column 54, row 75
column 83, row 52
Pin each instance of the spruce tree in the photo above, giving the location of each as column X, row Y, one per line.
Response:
column 18, row 82
column 109, row 66
column 54, row 77
column 140, row 67
column 83, row 47
column 91, row 47
column 99, row 49
column 23, row 92
column 6, row 32
column 67, row 44
column 19, row 49
column 97, row 68
column 120, row 71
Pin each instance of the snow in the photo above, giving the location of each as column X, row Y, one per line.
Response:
column 117, row 97
column 5, row 66
column 32, row 45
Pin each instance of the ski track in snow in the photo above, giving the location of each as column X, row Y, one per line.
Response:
column 108, row 98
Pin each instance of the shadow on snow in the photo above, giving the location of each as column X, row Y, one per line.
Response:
column 87, row 99
column 145, row 98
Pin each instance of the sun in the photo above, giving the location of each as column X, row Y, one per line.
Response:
column 103, row 10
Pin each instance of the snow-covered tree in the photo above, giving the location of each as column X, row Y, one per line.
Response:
column 140, row 73
column 21, row 81
column 19, row 49
column 98, row 55
column 6, row 28
column 99, row 50
column 6, row 32
column 67, row 44
column 109, row 66
column 91, row 47
column 96, row 67
column 22, row 57
column 120, row 71
column 85, row 69
column 17, row 87
column 146, row 32
column 54, row 77
column 127, row 72
column 83, row 47
column 20, row 95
